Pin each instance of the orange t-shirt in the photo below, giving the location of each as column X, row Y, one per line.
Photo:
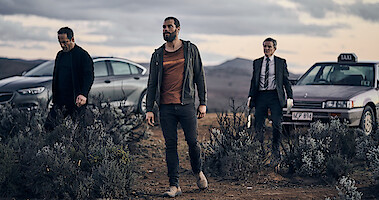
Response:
column 173, row 75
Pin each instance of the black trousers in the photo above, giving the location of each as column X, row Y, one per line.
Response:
column 170, row 115
column 264, row 101
column 77, row 113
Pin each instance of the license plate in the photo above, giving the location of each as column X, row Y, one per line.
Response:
column 305, row 116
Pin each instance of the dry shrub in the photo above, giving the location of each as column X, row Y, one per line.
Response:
column 77, row 160
column 231, row 151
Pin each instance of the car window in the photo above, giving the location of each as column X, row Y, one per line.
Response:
column 134, row 69
column 100, row 69
column 340, row 74
column 120, row 68
column 44, row 69
column 310, row 76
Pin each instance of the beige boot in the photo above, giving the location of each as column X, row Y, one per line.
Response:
column 173, row 192
column 202, row 182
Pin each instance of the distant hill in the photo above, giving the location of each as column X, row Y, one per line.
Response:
column 230, row 79
column 12, row 67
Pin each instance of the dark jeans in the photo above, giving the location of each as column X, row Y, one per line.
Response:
column 170, row 115
column 264, row 101
column 58, row 112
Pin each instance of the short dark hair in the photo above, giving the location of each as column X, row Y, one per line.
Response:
column 68, row 31
column 270, row 40
column 176, row 21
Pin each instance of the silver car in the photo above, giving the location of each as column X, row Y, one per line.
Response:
column 346, row 89
column 119, row 81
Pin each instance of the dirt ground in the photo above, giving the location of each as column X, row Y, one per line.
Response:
column 152, row 181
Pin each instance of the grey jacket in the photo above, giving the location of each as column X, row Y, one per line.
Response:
column 193, row 74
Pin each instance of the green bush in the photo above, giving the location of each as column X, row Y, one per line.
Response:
column 373, row 159
column 323, row 150
column 368, row 150
column 347, row 190
column 74, row 161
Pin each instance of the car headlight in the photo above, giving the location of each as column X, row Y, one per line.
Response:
column 338, row 104
column 37, row 90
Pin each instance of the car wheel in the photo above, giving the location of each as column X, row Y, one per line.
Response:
column 368, row 121
column 142, row 103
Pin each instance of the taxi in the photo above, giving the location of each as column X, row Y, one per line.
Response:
column 346, row 89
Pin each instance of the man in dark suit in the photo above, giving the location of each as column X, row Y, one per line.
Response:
column 270, row 78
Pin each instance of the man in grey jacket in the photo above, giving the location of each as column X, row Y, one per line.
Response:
column 175, row 70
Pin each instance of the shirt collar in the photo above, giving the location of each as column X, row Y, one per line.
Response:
column 271, row 57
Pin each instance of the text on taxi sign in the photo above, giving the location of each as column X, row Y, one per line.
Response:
column 347, row 57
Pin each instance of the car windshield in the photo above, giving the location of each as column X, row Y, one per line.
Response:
column 359, row 74
column 44, row 69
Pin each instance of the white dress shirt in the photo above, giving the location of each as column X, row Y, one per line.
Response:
column 271, row 74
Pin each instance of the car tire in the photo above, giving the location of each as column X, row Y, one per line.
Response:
column 142, row 103
column 368, row 121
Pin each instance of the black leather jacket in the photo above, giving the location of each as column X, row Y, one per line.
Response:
column 193, row 74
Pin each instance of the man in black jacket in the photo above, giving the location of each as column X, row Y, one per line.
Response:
column 270, row 78
column 72, row 78
column 175, row 70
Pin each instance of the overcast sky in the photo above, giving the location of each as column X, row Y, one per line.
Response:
column 307, row 31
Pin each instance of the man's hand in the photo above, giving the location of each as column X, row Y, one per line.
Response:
column 289, row 105
column 249, row 102
column 81, row 100
column 201, row 110
column 150, row 118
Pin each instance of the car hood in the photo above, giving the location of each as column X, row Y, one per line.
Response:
column 21, row 82
column 327, row 92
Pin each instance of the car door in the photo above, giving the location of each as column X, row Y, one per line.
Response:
column 103, row 85
column 126, row 82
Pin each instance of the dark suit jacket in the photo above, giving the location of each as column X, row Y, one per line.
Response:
column 281, row 80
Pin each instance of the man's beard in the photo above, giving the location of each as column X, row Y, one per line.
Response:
column 169, row 38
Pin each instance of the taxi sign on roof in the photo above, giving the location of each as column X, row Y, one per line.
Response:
column 347, row 57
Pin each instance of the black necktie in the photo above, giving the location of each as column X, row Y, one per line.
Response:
column 266, row 72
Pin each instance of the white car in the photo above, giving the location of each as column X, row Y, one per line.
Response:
column 346, row 89
column 117, row 80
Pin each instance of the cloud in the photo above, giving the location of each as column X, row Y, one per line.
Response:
column 131, row 22
column 366, row 11
column 7, row 45
column 124, row 27
column 358, row 8
column 13, row 31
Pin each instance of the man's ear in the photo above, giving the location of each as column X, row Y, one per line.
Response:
column 73, row 39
